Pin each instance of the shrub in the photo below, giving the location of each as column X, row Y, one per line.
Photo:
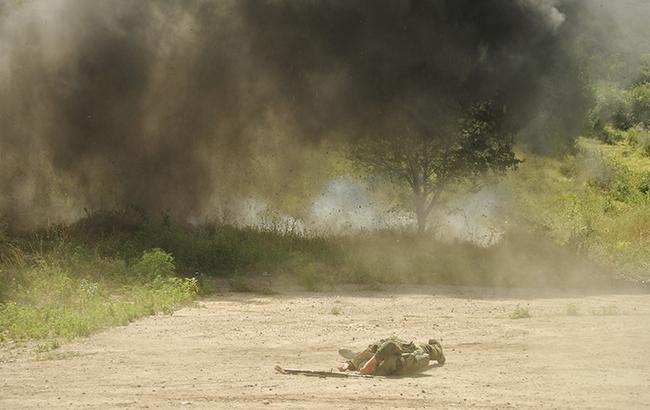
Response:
column 609, row 310
column 612, row 135
column 572, row 309
column 170, row 293
column 154, row 263
column 640, row 137
column 520, row 313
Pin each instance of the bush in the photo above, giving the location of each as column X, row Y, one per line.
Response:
column 640, row 137
column 612, row 135
column 612, row 175
column 336, row 311
column 154, row 263
column 520, row 313
column 572, row 309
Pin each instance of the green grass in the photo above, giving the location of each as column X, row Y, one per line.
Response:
column 572, row 309
column 47, row 346
column 109, row 254
column 51, row 297
column 609, row 310
column 520, row 313
column 595, row 202
column 25, row 320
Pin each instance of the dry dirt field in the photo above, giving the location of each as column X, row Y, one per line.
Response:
column 221, row 353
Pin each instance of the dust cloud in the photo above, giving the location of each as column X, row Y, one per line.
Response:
column 179, row 107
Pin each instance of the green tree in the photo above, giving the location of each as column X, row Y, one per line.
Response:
column 434, row 158
column 641, row 103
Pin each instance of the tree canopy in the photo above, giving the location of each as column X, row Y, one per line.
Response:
column 432, row 158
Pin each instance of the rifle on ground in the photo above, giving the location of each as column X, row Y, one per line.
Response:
column 321, row 373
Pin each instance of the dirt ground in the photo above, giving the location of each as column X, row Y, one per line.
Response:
column 221, row 353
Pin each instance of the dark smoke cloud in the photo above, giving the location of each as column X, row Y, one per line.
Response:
column 166, row 106
column 364, row 65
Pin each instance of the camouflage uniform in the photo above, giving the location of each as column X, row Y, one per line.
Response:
column 398, row 357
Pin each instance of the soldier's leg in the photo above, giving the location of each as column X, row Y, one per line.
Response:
column 360, row 359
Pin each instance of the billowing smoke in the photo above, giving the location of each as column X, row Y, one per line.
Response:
column 165, row 106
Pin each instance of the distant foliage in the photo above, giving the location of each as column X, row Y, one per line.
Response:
column 640, row 101
column 618, row 108
column 596, row 202
column 612, row 108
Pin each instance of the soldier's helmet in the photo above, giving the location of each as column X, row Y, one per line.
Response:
column 436, row 351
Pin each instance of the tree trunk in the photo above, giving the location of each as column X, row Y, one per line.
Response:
column 421, row 212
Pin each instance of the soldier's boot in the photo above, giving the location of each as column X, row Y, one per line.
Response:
column 348, row 364
column 347, row 354
column 437, row 353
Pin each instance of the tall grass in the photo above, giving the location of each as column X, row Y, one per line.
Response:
column 68, row 294
column 106, row 250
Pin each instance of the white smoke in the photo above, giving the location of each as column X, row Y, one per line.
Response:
column 346, row 205
column 472, row 218
column 250, row 212
column 548, row 10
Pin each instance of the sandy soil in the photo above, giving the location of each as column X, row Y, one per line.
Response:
column 221, row 353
